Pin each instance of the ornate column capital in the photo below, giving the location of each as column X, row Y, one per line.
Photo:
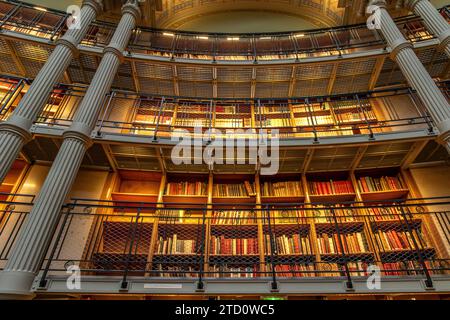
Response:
column 132, row 7
column 411, row 4
column 97, row 5
column 376, row 3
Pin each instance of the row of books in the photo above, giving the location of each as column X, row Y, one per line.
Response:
column 233, row 189
column 292, row 244
column 411, row 267
column 315, row 107
column 192, row 122
column 173, row 245
column 384, row 213
column 232, row 217
column 233, row 123
column 396, row 240
column 196, row 188
column 356, row 269
column 286, row 216
column 356, row 116
column 233, row 246
column 225, row 271
column 330, row 187
column 314, row 121
column 371, row 184
column 233, row 109
column 152, row 119
column 274, row 122
column 281, row 189
column 294, row 270
column 175, row 272
column 274, row 109
column 326, row 215
column 351, row 242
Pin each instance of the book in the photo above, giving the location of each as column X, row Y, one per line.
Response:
column 393, row 240
column 293, row 270
column 330, row 187
column 233, row 217
column 385, row 183
column 197, row 188
column 232, row 271
column 221, row 245
column 173, row 245
column 352, row 243
column 342, row 213
column 281, row 189
column 233, row 189
column 293, row 244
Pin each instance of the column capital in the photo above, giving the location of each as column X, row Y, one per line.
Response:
column 79, row 131
column 69, row 42
column 97, row 5
column 376, row 3
column 18, row 125
column 411, row 4
column 132, row 7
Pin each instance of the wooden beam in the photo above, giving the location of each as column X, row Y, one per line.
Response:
column 359, row 155
column 332, row 78
column 413, row 153
column 137, row 85
column 376, row 72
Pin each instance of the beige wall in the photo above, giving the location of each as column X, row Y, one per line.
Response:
column 89, row 184
column 435, row 182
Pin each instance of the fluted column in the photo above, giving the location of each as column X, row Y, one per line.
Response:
column 29, row 251
column 414, row 71
column 15, row 132
column 433, row 21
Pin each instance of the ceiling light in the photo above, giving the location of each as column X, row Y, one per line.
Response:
column 40, row 9
column 203, row 37
column 233, row 38
column 168, row 34
column 299, row 35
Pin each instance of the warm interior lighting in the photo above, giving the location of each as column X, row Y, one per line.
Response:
column 203, row 37
column 265, row 38
column 40, row 9
column 168, row 34
column 233, row 38
column 300, row 35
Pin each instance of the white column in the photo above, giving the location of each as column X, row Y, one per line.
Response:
column 414, row 71
column 29, row 251
column 14, row 133
column 432, row 20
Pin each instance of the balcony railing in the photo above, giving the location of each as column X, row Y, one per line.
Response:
column 405, row 238
column 50, row 24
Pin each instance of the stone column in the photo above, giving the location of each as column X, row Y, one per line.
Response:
column 15, row 132
column 432, row 20
column 27, row 255
column 414, row 71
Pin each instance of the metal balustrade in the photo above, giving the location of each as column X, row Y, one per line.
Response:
column 132, row 114
column 276, row 241
column 50, row 24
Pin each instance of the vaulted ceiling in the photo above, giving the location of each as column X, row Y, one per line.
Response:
column 173, row 14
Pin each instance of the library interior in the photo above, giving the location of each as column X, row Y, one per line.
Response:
column 92, row 96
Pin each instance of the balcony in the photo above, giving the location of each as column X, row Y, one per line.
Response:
column 143, row 249
column 50, row 24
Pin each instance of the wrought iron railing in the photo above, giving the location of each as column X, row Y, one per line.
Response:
column 346, row 241
column 50, row 24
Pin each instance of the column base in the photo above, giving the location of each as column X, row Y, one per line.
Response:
column 16, row 285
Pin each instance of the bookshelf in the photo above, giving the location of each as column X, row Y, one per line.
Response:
column 238, row 237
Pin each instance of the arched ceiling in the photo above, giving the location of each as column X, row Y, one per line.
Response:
column 174, row 14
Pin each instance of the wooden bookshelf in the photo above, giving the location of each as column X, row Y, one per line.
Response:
column 358, row 221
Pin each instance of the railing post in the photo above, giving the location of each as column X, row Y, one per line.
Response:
column 10, row 95
column 349, row 283
column 273, row 251
column 311, row 114
column 43, row 280
column 59, row 27
column 100, row 126
column 200, row 284
column 371, row 137
column 124, row 284
column 428, row 280
column 161, row 107
column 421, row 111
